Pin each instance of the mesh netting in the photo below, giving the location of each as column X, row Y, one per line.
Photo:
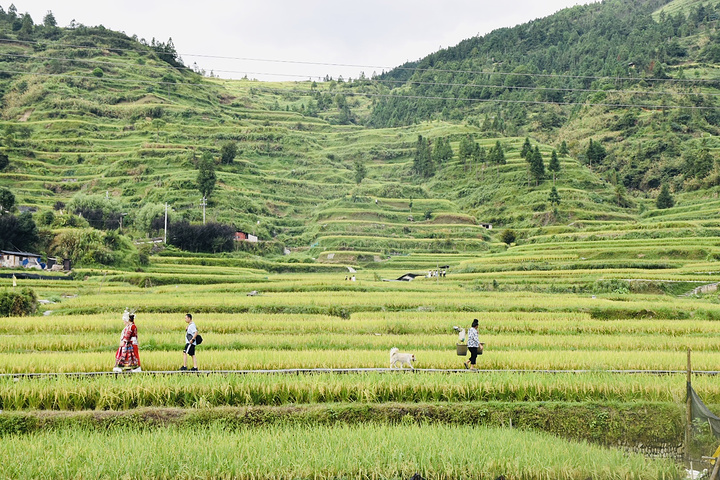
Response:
column 702, row 413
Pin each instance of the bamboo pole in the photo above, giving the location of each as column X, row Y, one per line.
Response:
column 688, row 426
column 714, row 474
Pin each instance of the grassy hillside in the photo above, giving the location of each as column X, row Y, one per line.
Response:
column 134, row 133
column 92, row 116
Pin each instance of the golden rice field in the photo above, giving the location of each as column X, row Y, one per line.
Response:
column 301, row 321
column 258, row 341
column 301, row 329
column 124, row 391
column 369, row 295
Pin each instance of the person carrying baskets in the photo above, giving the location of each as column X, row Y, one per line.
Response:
column 474, row 345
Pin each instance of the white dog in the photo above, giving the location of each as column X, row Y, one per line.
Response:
column 400, row 359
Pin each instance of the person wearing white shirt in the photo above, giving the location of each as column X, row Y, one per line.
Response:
column 474, row 344
column 190, row 335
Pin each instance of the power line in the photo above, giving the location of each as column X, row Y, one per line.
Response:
column 103, row 78
column 531, row 102
column 379, row 80
column 164, row 67
column 414, row 69
column 555, row 89
column 379, row 95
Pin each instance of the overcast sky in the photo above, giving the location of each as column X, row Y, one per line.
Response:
column 298, row 39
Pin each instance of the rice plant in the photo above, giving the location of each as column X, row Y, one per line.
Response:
column 363, row 451
column 184, row 390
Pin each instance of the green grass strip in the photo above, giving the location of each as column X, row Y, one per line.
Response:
column 320, row 452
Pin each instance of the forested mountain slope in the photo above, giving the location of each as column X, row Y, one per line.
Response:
column 639, row 76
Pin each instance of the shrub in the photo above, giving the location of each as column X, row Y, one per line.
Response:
column 101, row 212
column 147, row 218
column 18, row 304
column 18, row 232
column 92, row 247
column 7, row 200
column 69, row 220
column 212, row 237
column 664, row 199
column 508, row 236
column 47, row 218
column 144, row 252
column 80, row 246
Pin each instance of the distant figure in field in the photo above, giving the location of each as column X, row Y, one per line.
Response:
column 128, row 352
column 191, row 333
column 474, row 344
column 352, row 278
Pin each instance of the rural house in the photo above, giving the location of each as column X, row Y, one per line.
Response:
column 245, row 237
column 19, row 259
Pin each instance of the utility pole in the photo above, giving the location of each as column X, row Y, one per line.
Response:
column 204, row 202
column 165, row 235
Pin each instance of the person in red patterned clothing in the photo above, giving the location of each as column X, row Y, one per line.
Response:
column 127, row 355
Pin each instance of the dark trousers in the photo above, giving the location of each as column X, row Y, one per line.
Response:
column 473, row 354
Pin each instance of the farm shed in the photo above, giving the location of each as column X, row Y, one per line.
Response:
column 244, row 237
column 19, row 259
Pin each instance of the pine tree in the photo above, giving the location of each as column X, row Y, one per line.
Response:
column 442, row 152
column 526, row 149
column 360, row 171
column 537, row 166
column 595, row 152
column 206, row 175
column 554, row 165
column 664, row 199
column 422, row 161
column 497, row 154
column 479, row 155
column 447, row 151
column 554, row 197
column 564, row 149
column 49, row 20
column 701, row 162
column 465, row 149
column 417, row 157
column 527, row 154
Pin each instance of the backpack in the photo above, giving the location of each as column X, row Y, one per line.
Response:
column 198, row 338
